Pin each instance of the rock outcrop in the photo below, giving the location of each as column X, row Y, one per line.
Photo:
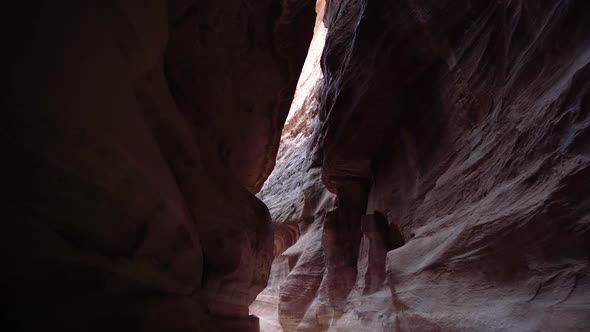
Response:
column 454, row 135
column 135, row 135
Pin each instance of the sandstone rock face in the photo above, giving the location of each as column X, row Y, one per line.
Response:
column 135, row 134
column 216, row 49
column 454, row 135
column 298, row 203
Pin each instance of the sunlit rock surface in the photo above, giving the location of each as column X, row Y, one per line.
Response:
column 297, row 201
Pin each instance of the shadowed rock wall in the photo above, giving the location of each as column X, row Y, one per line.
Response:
column 135, row 134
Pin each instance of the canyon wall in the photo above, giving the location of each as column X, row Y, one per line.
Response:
column 455, row 138
column 433, row 176
column 135, row 134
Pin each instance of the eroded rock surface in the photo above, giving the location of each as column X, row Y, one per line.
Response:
column 454, row 135
column 298, row 202
column 135, row 134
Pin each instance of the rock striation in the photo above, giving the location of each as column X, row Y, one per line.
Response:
column 297, row 201
column 454, row 137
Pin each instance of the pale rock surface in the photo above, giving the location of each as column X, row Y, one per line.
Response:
column 297, row 201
